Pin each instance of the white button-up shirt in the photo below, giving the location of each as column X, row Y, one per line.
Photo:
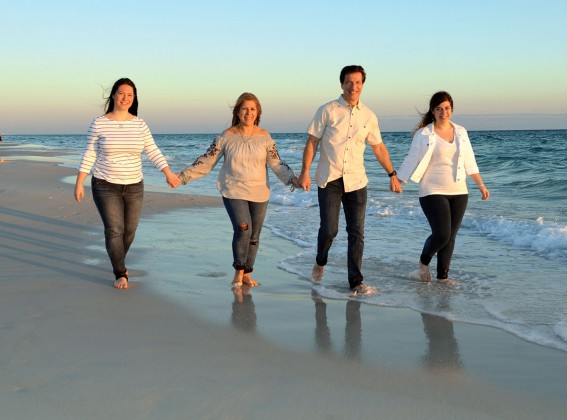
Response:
column 343, row 132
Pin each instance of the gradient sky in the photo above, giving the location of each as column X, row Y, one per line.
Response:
column 504, row 62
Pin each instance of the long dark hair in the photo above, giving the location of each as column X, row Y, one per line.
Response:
column 246, row 96
column 110, row 100
column 436, row 99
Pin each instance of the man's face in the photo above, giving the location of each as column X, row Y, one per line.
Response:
column 352, row 87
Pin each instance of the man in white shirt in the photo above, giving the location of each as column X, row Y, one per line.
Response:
column 342, row 127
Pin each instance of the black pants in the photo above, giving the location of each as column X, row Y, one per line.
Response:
column 444, row 214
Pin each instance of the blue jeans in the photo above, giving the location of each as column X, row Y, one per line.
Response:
column 247, row 218
column 444, row 214
column 120, row 207
column 354, row 207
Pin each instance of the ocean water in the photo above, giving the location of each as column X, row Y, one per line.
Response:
column 511, row 254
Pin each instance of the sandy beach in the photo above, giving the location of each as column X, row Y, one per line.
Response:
column 74, row 347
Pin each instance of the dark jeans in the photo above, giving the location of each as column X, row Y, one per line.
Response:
column 444, row 214
column 247, row 218
column 120, row 207
column 354, row 207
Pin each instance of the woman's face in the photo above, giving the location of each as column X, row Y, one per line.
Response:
column 443, row 111
column 123, row 98
column 248, row 113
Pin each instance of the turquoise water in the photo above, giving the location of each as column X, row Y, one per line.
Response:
column 511, row 253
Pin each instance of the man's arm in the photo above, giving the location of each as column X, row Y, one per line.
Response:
column 383, row 157
column 309, row 153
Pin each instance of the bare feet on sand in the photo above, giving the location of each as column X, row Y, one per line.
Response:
column 249, row 281
column 422, row 273
column 317, row 273
column 121, row 283
column 237, row 280
column 363, row 289
column 240, row 278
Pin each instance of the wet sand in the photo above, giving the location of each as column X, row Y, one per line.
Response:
column 72, row 346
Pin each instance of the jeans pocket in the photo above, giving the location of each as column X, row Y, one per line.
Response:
column 136, row 188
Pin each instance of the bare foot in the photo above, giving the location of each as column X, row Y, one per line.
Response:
column 237, row 281
column 317, row 273
column 363, row 289
column 447, row 282
column 121, row 283
column 422, row 273
column 249, row 281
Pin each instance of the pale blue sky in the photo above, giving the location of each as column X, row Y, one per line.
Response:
column 504, row 62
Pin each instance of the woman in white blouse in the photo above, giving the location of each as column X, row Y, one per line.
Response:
column 439, row 159
column 243, row 180
column 115, row 143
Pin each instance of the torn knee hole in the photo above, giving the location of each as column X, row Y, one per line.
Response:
column 243, row 227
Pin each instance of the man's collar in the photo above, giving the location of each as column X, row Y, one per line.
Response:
column 342, row 101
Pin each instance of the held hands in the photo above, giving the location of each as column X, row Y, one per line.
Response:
column 173, row 180
column 294, row 184
column 304, row 181
column 395, row 185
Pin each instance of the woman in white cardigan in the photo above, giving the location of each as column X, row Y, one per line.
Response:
column 439, row 159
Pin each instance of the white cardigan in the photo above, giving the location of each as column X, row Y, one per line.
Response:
column 421, row 150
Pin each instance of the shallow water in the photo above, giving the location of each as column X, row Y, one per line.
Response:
column 511, row 252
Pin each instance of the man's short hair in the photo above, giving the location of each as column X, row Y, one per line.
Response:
column 352, row 69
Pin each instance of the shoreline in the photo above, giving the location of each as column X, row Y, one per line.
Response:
column 73, row 346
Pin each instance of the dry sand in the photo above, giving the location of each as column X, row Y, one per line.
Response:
column 73, row 347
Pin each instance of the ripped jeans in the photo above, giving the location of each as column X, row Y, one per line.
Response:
column 247, row 218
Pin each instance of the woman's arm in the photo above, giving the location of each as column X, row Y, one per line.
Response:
column 482, row 188
column 409, row 165
column 79, row 188
column 278, row 166
column 203, row 164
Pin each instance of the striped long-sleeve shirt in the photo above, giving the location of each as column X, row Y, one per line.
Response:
column 115, row 148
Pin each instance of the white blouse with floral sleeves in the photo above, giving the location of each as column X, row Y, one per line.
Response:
column 244, row 172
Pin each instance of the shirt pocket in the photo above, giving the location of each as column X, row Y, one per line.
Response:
column 362, row 133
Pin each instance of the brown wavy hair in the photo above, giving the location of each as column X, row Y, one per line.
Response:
column 246, row 96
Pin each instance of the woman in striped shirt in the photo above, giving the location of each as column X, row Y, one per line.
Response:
column 115, row 143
